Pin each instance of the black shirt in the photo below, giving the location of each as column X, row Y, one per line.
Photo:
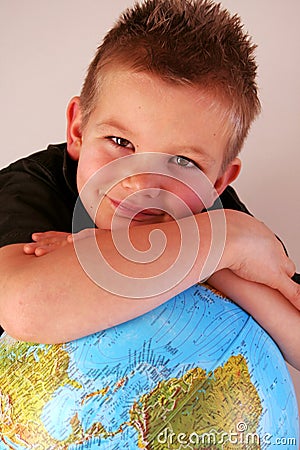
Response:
column 37, row 193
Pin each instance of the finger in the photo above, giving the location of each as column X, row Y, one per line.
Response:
column 42, row 250
column 43, row 242
column 290, row 290
column 57, row 239
column 290, row 267
column 29, row 248
column 81, row 234
column 51, row 235
column 39, row 236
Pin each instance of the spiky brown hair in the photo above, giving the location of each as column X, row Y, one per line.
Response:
column 184, row 41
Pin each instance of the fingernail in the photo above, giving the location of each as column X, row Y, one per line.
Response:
column 35, row 235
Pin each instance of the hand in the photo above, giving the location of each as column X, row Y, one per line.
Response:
column 50, row 241
column 255, row 254
column 46, row 242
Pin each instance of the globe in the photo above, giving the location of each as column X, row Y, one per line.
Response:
column 195, row 373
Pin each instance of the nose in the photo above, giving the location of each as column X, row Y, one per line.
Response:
column 150, row 184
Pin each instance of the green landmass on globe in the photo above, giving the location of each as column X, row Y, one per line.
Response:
column 196, row 373
column 215, row 401
column 209, row 398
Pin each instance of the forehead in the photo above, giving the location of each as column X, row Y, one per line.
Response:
column 122, row 81
column 145, row 102
column 120, row 73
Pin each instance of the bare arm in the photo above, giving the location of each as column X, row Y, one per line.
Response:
column 268, row 307
column 51, row 299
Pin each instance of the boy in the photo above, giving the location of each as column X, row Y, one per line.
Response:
column 172, row 78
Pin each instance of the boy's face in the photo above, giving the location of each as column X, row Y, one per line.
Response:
column 137, row 113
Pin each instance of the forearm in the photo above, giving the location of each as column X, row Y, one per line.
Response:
column 51, row 299
column 268, row 307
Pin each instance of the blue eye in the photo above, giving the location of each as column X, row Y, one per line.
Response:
column 183, row 161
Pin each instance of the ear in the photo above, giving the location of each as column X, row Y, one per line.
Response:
column 74, row 132
column 228, row 176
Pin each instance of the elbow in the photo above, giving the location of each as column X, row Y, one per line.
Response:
column 23, row 318
column 17, row 317
column 21, row 292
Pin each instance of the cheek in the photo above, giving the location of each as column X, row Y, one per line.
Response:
column 184, row 200
column 84, row 174
column 190, row 200
column 193, row 201
column 89, row 166
column 104, row 215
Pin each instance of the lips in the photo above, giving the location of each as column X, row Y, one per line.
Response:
column 128, row 210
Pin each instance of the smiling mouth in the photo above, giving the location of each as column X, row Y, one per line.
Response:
column 134, row 212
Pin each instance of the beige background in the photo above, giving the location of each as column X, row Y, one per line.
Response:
column 46, row 46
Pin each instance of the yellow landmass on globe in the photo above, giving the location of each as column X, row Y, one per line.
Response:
column 29, row 376
column 218, row 410
column 197, row 402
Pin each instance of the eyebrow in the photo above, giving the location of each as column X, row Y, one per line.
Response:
column 190, row 151
column 194, row 153
column 113, row 124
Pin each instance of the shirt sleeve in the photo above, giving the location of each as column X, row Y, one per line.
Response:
column 230, row 200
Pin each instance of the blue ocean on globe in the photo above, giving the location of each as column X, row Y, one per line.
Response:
column 197, row 372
